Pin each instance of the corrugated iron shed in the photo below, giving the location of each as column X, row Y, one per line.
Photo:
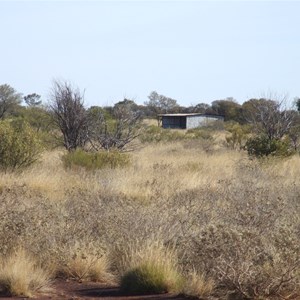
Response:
column 187, row 121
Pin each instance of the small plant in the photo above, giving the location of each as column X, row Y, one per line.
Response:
column 86, row 264
column 94, row 161
column 19, row 145
column 151, row 269
column 145, row 279
column 200, row 133
column 238, row 135
column 20, row 275
column 197, row 285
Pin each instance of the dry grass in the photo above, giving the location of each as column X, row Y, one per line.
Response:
column 197, row 285
column 20, row 275
column 86, row 264
column 234, row 219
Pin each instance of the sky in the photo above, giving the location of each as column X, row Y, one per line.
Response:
column 191, row 51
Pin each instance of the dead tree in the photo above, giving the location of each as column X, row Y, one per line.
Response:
column 69, row 114
column 116, row 133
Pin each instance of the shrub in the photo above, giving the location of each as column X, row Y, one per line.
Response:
column 145, row 279
column 200, row 133
column 86, row 263
column 20, row 275
column 238, row 135
column 262, row 146
column 246, row 262
column 19, row 145
column 155, row 134
column 98, row 160
column 151, row 269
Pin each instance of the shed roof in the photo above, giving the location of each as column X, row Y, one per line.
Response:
column 179, row 115
column 189, row 114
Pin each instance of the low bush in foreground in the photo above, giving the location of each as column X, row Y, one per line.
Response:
column 20, row 275
column 84, row 264
column 94, row 161
column 151, row 268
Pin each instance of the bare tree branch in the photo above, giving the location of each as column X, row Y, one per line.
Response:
column 67, row 106
column 116, row 133
column 270, row 117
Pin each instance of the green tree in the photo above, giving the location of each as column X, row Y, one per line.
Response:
column 202, row 108
column 9, row 100
column 33, row 100
column 160, row 104
column 129, row 104
column 228, row 108
column 38, row 118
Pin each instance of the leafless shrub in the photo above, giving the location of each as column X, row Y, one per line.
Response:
column 270, row 116
column 67, row 107
column 117, row 133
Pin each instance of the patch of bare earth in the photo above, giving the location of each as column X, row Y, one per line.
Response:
column 73, row 290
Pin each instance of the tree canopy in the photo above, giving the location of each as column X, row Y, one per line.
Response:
column 161, row 104
column 9, row 100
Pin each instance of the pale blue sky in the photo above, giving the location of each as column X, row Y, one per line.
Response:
column 192, row 51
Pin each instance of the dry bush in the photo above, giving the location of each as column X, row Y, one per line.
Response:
column 197, row 285
column 21, row 275
column 85, row 262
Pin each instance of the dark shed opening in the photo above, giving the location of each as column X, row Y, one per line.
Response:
column 174, row 122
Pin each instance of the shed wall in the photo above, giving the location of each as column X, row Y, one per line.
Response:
column 197, row 121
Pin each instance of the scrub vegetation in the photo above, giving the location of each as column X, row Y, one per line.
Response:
column 233, row 222
column 187, row 212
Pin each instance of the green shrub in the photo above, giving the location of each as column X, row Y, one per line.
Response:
column 150, row 268
column 238, row 135
column 263, row 146
column 155, row 134
column 146, row 279
column 98, row 160
column 19, row 145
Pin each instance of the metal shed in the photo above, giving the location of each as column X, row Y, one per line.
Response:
column 187, row 121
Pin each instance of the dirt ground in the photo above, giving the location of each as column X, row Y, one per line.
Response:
column 71, row 290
